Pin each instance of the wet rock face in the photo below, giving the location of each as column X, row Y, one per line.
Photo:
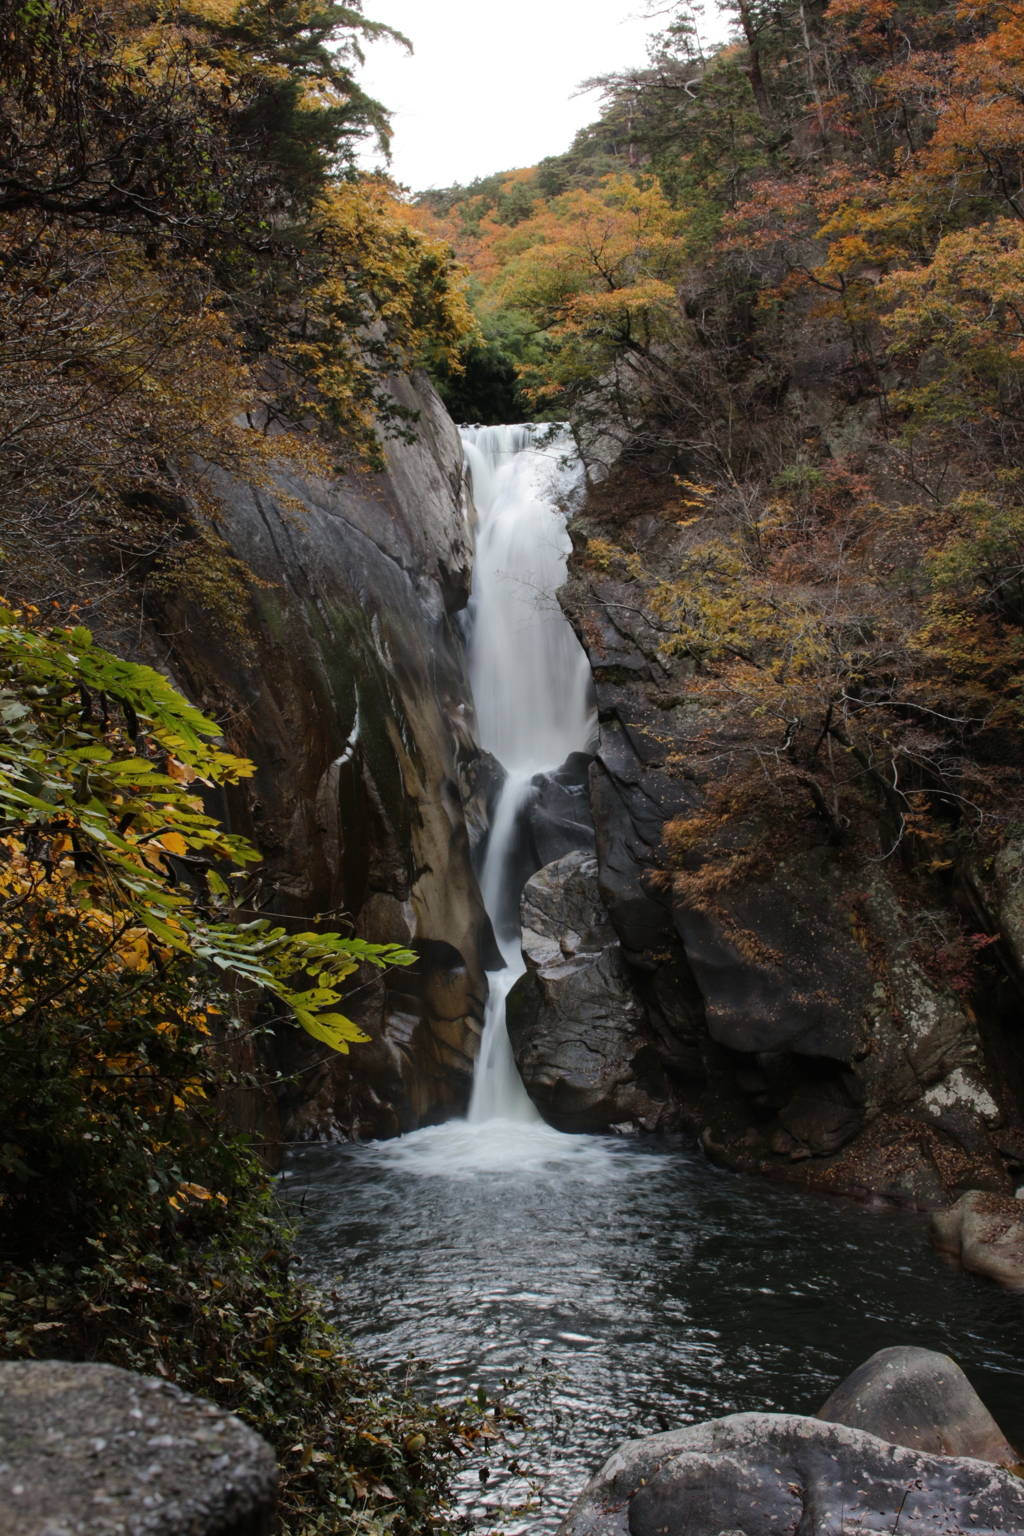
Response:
column 97, row 1451
column 802, row 1012
column 552, row 819
column 985, row 1232
column 920, row 1399
column 578, row 1030
column 762, row 1473
column 558, row 810
column 355, row 706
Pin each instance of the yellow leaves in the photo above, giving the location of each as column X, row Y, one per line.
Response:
column 609, row 556
column 126, row 911
column 189, row 1192
column 334, row 1029
column 381, row 277
column 967, row 300
column 197, row 1192
column 320, row 96
column 620, row 237
column 596, row 270
column 181, row 773
column 133, row 950
column 221, row 12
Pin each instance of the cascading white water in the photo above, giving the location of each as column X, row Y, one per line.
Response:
column 532, row 689
column 530, row 678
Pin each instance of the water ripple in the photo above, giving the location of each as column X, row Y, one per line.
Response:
column 648, row 1288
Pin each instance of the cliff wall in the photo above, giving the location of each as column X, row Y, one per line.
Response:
column 354, row 704
column 809, row 1019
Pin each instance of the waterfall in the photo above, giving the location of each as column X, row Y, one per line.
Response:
column 532, row 689
column 530, row 678
column 529, row 674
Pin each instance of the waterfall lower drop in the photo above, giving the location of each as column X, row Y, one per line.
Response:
column 531, row 684
column 532, row 690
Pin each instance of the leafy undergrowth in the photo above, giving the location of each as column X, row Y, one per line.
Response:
column 136, row 1226
column 228, row 1319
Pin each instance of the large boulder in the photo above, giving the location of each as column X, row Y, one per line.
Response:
column 763, row 1474
column 552, row 818
column 558, row 809
column 921, row 1399
column 92, row 1450
column 986, row 1233
column 576, row 1025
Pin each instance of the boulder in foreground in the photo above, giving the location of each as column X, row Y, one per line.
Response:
column 986, row 1233
column 762, row 1474
column 91, row 1450
column 921, row 1399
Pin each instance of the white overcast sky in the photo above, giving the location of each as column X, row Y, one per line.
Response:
column 491, row 85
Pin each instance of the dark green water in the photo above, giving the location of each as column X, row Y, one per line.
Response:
column 659, row 1290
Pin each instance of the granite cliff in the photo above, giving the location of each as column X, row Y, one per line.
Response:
column 354, row 704
column 801, row 1020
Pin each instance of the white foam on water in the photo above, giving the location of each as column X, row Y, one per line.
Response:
column 459, row 1149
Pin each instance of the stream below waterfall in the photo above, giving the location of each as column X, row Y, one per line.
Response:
column 637, row 1286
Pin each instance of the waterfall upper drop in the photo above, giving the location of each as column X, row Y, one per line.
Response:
column 530, row 677
column 531, row 682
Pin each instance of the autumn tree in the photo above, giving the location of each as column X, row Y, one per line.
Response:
column 836, row 425
column 187, row 260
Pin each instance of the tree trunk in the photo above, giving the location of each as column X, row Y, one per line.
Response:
column 756, row 78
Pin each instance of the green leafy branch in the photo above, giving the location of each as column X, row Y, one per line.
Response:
column 101, row 764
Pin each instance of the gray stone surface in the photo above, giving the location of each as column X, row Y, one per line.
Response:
column 91, row 1450
column 552, row 819
column 1008, row 879
column 764, row 1474
column 795, row 1008
column 577, row 1027
column 778, row 964
column 921, row 1399
column 631, row 801
column 355, row 706
column 985, row 1232
column 558, row 810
